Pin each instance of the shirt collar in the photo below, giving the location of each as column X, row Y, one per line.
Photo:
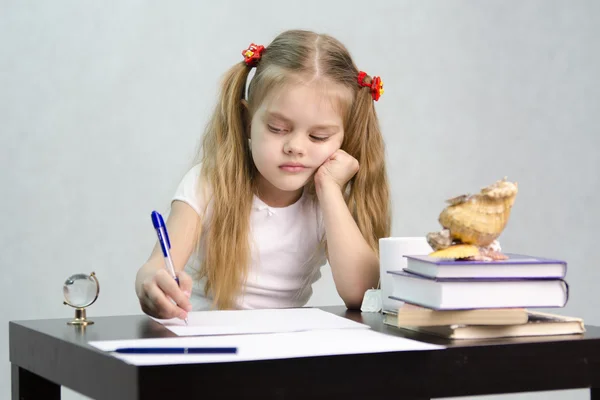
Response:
column 259, row 205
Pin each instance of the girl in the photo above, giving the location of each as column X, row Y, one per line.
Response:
column 289, row 177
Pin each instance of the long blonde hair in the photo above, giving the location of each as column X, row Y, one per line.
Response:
column 227, row 166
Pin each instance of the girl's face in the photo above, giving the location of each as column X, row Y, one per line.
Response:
column 293, row 132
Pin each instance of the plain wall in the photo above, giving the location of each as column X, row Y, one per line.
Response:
column 102, row 105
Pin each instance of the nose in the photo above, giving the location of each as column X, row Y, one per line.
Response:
column 294, row 145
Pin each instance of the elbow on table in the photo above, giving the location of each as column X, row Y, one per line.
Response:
column 353, row 301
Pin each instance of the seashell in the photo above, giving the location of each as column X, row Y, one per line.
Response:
column 439, row 240
column 456, row 252
column 480, row 218
column 458, row 199
column 487, row 254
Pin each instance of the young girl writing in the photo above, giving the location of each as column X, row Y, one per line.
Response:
column 289, row 177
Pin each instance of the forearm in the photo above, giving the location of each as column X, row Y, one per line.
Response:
column 354, row 265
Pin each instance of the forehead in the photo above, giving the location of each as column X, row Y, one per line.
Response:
column 308, row 103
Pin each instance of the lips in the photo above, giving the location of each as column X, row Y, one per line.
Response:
column 292, row 167
column 293, row 164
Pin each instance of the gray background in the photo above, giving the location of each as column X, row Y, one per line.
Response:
column 102, row 105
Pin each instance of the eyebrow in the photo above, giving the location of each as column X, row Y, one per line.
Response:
column 284, row 118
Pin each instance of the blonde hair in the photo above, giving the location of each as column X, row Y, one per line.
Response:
column 227, row 166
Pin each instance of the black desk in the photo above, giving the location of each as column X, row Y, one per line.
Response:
column 46, row 354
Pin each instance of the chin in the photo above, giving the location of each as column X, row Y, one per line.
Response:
column 290, row 184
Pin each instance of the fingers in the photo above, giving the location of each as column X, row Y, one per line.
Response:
column 160, row 306
column 185, row 283
column 171, row 289
column 337, row 154
column 159, row 293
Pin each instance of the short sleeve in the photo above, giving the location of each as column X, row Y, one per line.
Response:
column 190, row 192
column 320, row 222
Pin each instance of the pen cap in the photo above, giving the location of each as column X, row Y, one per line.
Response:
column 161, row 229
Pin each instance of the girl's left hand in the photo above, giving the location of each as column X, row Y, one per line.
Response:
column 338, row 169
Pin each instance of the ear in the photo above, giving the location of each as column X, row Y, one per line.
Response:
column 246, row 117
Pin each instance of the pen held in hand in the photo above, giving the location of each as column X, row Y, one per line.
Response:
column 165, row 245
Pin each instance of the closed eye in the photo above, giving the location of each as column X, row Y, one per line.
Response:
column 274, row 129
column 319, row 138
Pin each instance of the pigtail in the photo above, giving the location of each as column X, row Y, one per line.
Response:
column 368, row 198
column 227, row 171
column 226, row 131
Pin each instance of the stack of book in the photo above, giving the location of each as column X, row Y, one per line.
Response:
column 481, row 299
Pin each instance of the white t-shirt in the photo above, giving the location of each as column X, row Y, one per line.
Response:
column 285, row 256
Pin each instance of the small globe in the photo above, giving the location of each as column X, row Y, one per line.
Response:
column 80, row 290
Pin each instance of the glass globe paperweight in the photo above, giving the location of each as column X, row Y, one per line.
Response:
column 81, row 291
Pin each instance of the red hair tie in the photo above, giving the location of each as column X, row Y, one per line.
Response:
column 376, row 85
column 252, row 54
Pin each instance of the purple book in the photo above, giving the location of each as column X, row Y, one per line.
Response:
column 516, row 266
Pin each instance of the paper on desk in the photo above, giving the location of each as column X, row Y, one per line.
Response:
column 232, row 322
column 267, row 346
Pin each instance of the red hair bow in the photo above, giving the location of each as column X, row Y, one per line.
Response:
column 376, row 85
column 252, row 54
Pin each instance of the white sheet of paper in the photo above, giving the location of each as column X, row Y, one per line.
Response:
column 267, row 346
column 232, row 322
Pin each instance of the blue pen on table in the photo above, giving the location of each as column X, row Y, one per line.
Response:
column 176, row 350
column 165, row 244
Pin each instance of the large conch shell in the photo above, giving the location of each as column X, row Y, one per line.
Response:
column 476, row 219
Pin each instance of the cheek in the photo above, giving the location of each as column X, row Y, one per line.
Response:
column 264, row 144
column 323, row 152
column 259, row 139
column 265, row 149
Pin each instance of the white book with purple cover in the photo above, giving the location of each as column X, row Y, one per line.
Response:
column 475, row 293
column 516, row 266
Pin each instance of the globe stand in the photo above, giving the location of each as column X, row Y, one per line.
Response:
column 81, row 304
column 80, row 318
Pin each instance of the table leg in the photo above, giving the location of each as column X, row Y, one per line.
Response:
column 29, row 386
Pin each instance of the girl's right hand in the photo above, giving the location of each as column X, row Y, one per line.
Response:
column 156, row 288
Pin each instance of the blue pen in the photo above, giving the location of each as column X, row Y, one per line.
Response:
column 165, row 244
column 177, row 350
